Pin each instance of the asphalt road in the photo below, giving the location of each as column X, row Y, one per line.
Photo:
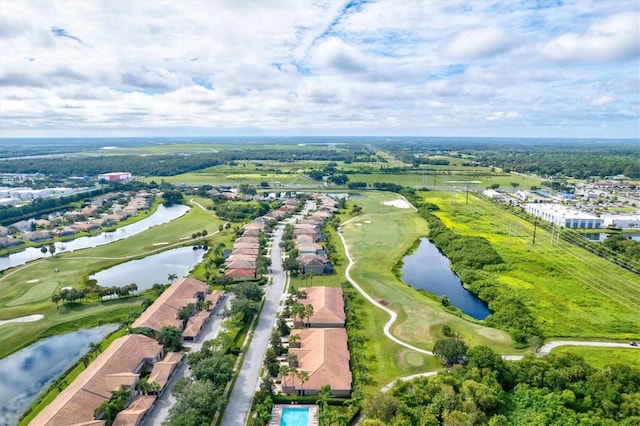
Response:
column 237, row 408
column 210, row 330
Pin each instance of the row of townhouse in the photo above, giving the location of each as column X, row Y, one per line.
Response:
column 127, row 359
column 320, row 347
column 307, row 233
column 241, row 263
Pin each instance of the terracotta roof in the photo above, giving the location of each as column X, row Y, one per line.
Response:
column 195, row 323
column 240, row 273
column 132, row 415
column 214, row 297
column 313, row 259
column 251, row 232
column 162, row 370
column 240, row 264
column 327, row 302
column 164, row 311
column 116, row 366
column 246, row 246
column 305, row 239
column 248, row 251
column 258, row 226
column 240, row 257
column 323, row 353
column 254, row 240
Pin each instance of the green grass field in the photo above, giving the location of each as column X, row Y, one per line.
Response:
column 602, row 357
column 27, row 289
column 570, row 292
column 377, row 240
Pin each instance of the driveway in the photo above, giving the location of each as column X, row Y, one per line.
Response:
column 237, row 408
column 210, row 330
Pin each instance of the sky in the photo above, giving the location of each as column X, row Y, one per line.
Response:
column 320, row 68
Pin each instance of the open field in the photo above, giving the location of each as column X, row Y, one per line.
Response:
column 376, row 247
column 602, row 357
column 570, row 292
column 27, row 289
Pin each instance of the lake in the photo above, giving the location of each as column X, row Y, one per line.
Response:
column 152, row 269
column 601, row 236
column 162, row 215
column 428, row 269
column 26, row 373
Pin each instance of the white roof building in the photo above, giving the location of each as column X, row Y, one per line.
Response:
column 621, row 220
column 563, row 216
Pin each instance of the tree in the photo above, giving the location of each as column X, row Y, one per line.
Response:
column 170, row 337
column 449, row 350
column 248, row 290
column 56, row 298
column 43, row 250
column 145, row 387
column 382, row 406
column 52, row 249
column 303, row 376
column 293, row 341
column 172, row 277
column 59, row 383
column 322, row 402
column 95, row 348
column 308, row 312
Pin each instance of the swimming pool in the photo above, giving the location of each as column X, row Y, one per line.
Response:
column 294, row 416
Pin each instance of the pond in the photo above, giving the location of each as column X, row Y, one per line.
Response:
column 160, row 216
column 152, row 269
column 26, row 373
column 428, row 269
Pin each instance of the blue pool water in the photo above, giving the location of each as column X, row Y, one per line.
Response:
column 294, row 416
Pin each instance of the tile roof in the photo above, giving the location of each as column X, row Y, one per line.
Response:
column 195, row 323
column 132, row 415
column 327, row 302
column 164, row 311
column 323, row 353
column 162, row 370
column 116, row 366
column 240, row 273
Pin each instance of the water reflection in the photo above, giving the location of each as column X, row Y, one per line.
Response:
column 26, row 373
column 162, row 215
column 427, row 269
column 152, row 269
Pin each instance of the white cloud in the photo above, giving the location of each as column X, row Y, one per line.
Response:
column 602, row 100
column 614, row 38
column 478, row 43
column 318, row 66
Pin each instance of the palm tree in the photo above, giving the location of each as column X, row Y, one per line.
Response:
column 303, row 376
column 60, row 383
column 110, row 410
column 145, row 387
column 94, row 348
column 121, row 396
column 311, row 275
column 86, row 359
column 294, row 339
column 308, row 312
column 323, row 402
column 292, row 359
column 172, row 277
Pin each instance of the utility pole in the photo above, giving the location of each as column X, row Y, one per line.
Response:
column 535, row 225
column 467, row 201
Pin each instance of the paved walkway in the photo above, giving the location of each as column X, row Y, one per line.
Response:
column 237, row 408
column 210, row 330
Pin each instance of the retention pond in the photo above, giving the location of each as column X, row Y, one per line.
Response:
column 28, row 372
column 428, row 269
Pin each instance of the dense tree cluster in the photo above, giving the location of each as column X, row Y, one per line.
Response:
column 238, row 211
column 555, row 390
column 623, row 245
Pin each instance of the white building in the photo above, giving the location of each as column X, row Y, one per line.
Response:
column 621, row 220
column 563, row 216
column 494, row 195
column 115, row 176
column 9, row 201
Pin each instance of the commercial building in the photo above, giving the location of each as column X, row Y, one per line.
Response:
column 563, row 216
column 621, row 220
column 115, row 176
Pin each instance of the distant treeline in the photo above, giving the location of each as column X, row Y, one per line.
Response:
column 168, row 165
column 580, row 158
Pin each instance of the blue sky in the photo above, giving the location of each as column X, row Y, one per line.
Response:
column 394, row 67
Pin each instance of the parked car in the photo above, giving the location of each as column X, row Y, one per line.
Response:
column 633, row 343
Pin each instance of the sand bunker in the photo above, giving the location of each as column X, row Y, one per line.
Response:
column 358, row 224
column 399, row 203
column 28, row 318
column 33, row 281
column 160, row 244
column 367, row 221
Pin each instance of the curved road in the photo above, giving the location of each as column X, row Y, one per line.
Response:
column 544, row 350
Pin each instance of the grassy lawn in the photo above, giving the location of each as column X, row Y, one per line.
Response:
column 602, row 357
column 570, row 292
column 378, row 239
column 27, row 289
